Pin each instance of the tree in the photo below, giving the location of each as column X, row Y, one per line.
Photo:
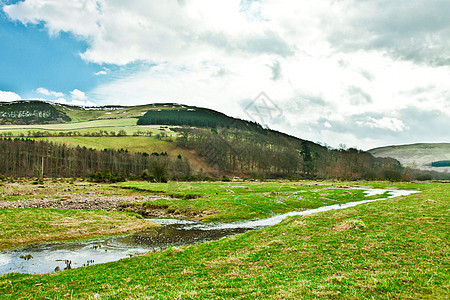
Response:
column 159, row 170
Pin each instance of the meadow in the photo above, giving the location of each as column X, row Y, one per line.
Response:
column 390, row 249
column 234, row 201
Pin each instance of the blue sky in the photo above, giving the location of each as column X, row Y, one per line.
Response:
column 361, row 73
column 32, row 59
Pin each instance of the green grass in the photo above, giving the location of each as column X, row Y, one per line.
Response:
column 391, row 249
column 133, row 144
column 79, row 115
column 25, row 226
column 126, row 124
column 205, row 201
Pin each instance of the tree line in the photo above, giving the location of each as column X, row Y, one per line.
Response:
column 22, row 157
column 275, row 155
column 100, row 133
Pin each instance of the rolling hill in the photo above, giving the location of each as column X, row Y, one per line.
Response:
column 419, row 156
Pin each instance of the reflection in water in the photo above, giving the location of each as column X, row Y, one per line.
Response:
column 47, row 257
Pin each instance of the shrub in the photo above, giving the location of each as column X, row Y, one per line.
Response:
column 107, row 176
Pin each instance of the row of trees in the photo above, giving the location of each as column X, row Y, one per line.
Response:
column 31, row 158
column 100, row 133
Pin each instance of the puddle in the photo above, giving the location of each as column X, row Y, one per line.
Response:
column 47, row 257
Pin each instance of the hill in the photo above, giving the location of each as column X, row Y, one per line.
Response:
column 31, row 112
column 426, row 156
column 214, row 143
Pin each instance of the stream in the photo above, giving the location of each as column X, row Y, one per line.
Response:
column 45, row 258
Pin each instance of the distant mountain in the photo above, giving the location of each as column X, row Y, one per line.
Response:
column 30, row 112
column 422, row 156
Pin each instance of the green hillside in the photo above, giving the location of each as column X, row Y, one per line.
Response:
column 419, row 156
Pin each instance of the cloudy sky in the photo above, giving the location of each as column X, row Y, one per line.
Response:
column 364, row 73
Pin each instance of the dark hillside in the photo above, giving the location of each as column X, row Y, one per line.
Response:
column 197, row 117
column 30, row 112
column 270, row 154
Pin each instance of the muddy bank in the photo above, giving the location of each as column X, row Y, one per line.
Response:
column 138, row 204
column 83, row 201
column 149, row 210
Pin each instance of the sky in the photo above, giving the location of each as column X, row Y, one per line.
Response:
column 360, row 73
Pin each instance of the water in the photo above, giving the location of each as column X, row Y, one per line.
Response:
column 47, row 257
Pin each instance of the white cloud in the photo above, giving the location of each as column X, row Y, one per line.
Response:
column 74, row 102
column 120, row 33
column 388, row 123
column 46, row 92
column 78, row 95
column 332, row 60
column 6, row 96
column 104, row 71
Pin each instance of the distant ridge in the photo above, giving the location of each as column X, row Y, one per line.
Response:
column 26, row 112
column 420, row 155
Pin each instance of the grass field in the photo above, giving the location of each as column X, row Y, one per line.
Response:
column 205, row 201
column 231, row 201
column 133, row 144
column 72, row 126
column 391, row 249
column 79, row 114
column 127, row 124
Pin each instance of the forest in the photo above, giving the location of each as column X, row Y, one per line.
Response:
column 275, row 155
column 441, row 163
column 198, row 117
column 29, row 158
